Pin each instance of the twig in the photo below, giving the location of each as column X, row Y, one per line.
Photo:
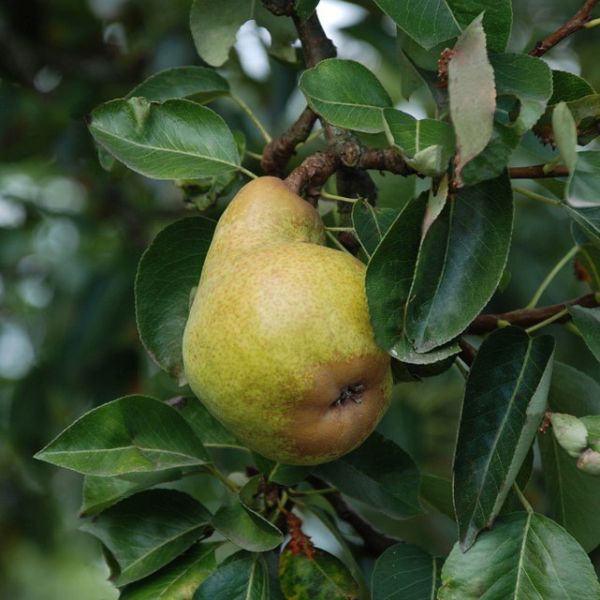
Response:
column 575, row 23
column 375, row 542
column 536, row 172
column 467, row 352
column 524, row 317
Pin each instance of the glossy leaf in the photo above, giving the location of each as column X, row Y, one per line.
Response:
column 378, row 473
column 587, row 321
column 573, row 495
column 148, row 530
column 505, row 400
column 179, row 579
column 128, row 435
column 583, row 187
column 196, row 83
column 428, row 144
column 524, row 556
column 406, row 572
column 320, row 577
column 214, row 26
column 212, row 433
column 460, row 263
column 568, row 86
column 242, row 576
column 168, row 271
column 472, row 94
column 178, row 139
column 101, row 492
column 427, row 22
column 371, row 223
column 497, row 19
column 346, row 94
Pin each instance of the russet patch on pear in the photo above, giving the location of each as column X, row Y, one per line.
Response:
column 278, row 344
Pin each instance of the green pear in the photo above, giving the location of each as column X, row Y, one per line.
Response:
column 278, row 343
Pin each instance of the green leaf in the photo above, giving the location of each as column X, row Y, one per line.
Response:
column 212, row 433
column 305, row 8
column 505, row 399
column 200, row 84
column 583, row 186
column 497, row 19
column 378, row 473
column 437, row 491
column 371, row 223
column 178, row 580
column 168, row 271
column 460, row 263
column 283, row 474
column 427, row 22
column 346, row 94
column 573, row 495
column 588, row 257
column 524, row 556
column 319, row 577
column 568, row 86
column 588, row 218
column 587, row 321
column 128, row 435
column 242, row 576
column 178, row 139
column 245, row 527
column 214, row 26
column 406, row 572
column 565, row 135
column 427, row 143
column 148, row 530
column 472, row 94
column 101, row 492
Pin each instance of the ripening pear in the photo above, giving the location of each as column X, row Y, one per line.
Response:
column 278, row 344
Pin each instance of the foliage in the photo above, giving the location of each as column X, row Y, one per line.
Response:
column 453, row 247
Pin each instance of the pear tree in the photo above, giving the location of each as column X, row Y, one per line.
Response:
column 291, row 307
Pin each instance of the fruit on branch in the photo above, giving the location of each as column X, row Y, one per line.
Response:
column 278, row 343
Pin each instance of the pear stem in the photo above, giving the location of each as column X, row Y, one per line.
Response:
column 328, row 196
column 339, row 228
column 336, row 242
column 265, row 134
column 251, row 154
column 216, row 473
column 535, row 196
column 548, row 321
column 247, row 172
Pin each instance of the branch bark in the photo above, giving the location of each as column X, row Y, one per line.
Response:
column 537, row 172
column 375, row 542
column 524, row 317
column 575, row 23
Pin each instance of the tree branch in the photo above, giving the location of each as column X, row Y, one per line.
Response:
column 536, row 172
column 575, row 23
column 524, row 317
column 375, row 542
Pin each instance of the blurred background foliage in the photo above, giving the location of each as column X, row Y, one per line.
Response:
column 71, row 234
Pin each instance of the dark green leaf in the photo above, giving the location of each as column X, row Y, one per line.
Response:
column 128, row 435
column 214, row 26
column 588, row 218
column 148, row 530
column 178, row 580
column 460, row 263
column 178, row 139
column 196, row 83
column 101, row 492
column 583, row 187
column 588, row 257
column 305, row 8
column 319, row 577
column 346, row 94
column 497, row 19
column 406, row 572
column 472, row 94
column 280, row 473
column 371, row 223
column 568, row 86
column 167, row 273
column 437, row 491
column 378, row 473
column 205, row 426
column 573, row 494
column 427, row 143
column 241, row 577
column 505, row 400
column 427, row 22
column 587, row 321
column 524, row 556
column 245, row 527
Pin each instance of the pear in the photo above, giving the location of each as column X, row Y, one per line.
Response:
column 278, row 344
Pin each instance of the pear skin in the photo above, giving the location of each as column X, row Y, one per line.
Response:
column 278, row 344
